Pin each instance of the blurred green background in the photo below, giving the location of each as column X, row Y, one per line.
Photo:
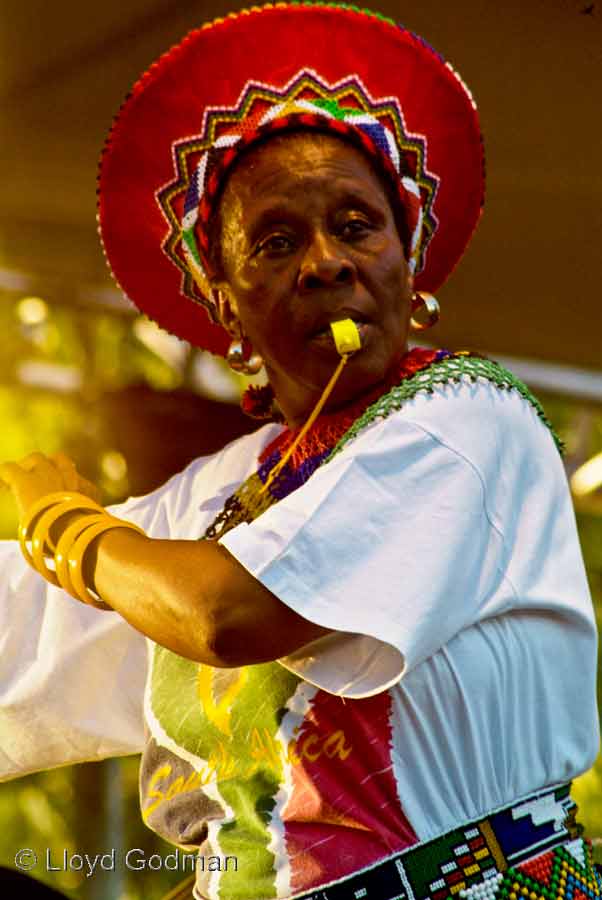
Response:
column 101, row 385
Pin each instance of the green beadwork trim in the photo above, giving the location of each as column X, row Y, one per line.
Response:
column 451, row 369
column 248, row 502
column 332, row 4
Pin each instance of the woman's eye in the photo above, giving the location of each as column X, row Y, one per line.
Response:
column 355, row 227
column 276, row 243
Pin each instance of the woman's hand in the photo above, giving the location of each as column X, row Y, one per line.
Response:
column 37, row 475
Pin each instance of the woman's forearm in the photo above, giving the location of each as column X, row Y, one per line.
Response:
column 161, row 587
column 194, row 598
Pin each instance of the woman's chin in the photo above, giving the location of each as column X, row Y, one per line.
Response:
column 302, row 385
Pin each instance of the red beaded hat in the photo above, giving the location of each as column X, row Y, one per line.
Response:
column 264, row 71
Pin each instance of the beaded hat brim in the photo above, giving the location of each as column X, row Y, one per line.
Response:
column 201, row 93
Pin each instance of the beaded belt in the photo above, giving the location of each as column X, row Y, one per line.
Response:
column 530, row 850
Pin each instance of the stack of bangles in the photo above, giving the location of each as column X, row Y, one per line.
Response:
column 69, row 551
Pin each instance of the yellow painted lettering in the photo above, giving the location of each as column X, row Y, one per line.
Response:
column 291, row 755
column 174, row 788
column 157, row 795
column 192, row 782
column 334, row 745
column 258, row 750
column 275, row 747
column 310, row 739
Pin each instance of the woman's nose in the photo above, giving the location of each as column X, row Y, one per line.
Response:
column 325, row 265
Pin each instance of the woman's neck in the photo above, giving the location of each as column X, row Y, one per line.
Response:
column 296, row 412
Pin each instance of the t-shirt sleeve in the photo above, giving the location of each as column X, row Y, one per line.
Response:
column 391, row 544
column 72, row 678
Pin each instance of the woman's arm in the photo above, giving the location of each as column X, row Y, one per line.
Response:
column 192, row 597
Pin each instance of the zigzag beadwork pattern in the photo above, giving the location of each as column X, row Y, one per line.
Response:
column 470, row 866
column 200, row 161
column 566, row 873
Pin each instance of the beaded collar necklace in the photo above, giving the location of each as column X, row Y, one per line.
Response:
column 418, row 371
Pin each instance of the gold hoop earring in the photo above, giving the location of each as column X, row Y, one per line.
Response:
column 238, row 363
column 421, row 299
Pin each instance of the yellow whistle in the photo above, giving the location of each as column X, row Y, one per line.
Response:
column 346, row 336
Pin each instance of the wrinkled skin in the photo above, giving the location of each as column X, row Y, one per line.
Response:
column 308, row 236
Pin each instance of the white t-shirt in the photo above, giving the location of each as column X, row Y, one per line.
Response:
column 440, row 545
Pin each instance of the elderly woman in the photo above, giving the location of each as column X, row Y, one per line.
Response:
column 374, row 676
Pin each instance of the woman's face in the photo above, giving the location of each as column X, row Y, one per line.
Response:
column 308, row 237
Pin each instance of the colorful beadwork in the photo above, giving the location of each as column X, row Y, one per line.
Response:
column 419, row 371
column 531, row 850
column 565, row 873
column 261, row 71
column 306, row 102
column 456, row 366
column 475, row 861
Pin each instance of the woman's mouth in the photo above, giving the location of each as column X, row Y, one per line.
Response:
column 324, row 335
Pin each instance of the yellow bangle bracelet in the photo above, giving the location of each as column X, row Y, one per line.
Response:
column 32, row 513
column 78, row 551
column 64, row 544
column 78, row 501
column 40, row 537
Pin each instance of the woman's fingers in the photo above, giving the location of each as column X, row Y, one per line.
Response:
column 67, row 469
column 62, row 460
column 73, row 480
column 30, row 479
column 36, row 475
column 32, row 461
column 8, row 472
column 89, row 489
